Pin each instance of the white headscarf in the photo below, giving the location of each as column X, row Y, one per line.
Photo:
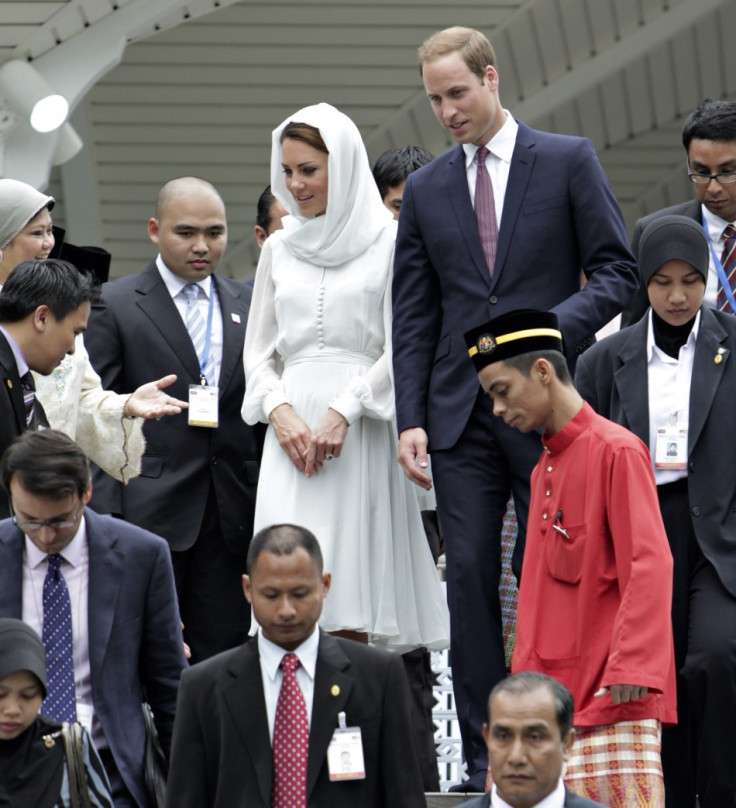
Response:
column 19, row 203
column 355, row 214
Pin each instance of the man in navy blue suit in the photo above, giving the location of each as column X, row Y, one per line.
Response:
column 555, row 218
column 125, row 631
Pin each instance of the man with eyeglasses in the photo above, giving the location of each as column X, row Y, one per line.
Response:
column 100, row 592
column 709, row 138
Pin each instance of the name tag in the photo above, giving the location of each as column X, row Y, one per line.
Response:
column 345, row 753
column 670, row 448
column 203, row 409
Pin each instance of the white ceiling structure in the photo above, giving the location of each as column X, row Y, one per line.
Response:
column 163, row 88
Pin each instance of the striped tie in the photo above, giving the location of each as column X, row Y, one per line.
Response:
column 29, row 397
column 485, row 210
column 198, row 330
column 728, row 261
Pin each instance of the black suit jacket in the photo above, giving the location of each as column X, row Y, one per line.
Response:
column 221, row 753
column 571, row 801
column 12, row 408
column 640, row 303
column 612, row 377
column 135, row 334
column 559, row 217
column 135, row 641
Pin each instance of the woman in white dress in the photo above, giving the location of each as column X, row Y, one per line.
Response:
column 107, row 426
column 318, row 369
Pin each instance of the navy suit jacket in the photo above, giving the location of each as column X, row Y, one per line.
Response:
column 571, row 801
column 12, row 408
column 135, row 639
column 135, row 334
column 640, row 303
column 560, row 218
column 612, row 377
column 221, row 755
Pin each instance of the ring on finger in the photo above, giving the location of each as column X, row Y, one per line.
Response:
column 329, row 456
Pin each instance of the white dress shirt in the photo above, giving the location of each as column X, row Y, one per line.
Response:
column 714, row 226
column 175, row 285
column 668, row 383
column 554, row 800
column 271, row 674
column 75, row 569
column 498, row 162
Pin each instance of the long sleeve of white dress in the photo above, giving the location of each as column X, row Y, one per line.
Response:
column 75, row 403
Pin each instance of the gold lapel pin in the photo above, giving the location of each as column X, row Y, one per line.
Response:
column 9, row 382
column 718, row 358
column 335, row 690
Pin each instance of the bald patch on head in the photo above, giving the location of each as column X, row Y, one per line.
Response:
column 183, row 186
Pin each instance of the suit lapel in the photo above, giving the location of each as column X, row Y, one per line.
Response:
column 155, row 301
column 11, row 591
column 631, row 380
column 234, row 316
column 246, row 703
column 522, row 162
column 332, row 687
column 707, row 374
column 106, row 563
column 11, row 382
column 456, row 183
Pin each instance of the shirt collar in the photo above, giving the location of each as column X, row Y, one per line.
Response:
column 555, row 799
column 692, row 337
column 175, row 284
column 715, row 225
column 20, row 360
column 272, row 654
column 73, row 553
column 554, row 444
column 501, row 145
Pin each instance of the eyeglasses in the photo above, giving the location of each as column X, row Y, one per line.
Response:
column 721, row 179
column 54, row 524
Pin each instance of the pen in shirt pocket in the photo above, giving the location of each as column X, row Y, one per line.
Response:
column 557, row 525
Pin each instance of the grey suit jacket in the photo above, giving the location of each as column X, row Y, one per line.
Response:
column 571, row 801
column 612, row 377
column 221, row 753
column 135, row 640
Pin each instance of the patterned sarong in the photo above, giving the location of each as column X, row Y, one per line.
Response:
column 618, row 765
column 507, row 590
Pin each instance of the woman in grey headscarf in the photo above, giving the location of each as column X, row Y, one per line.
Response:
column 32, row 761
column 317, row 361
column 107, row 426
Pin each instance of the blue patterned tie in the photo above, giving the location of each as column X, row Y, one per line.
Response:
column 198, row 330
column 60, row 703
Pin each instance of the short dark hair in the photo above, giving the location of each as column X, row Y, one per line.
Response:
column 528, row 682
column 49, row 281
column 524, row 362
column 283, row 540
column 294, row 130
column 711, row 120
column 48, row 464
column 395, row 165
column 264, row 212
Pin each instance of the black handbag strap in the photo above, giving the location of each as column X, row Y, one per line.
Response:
column 73, row 738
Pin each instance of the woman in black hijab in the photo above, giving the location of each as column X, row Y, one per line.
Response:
column 33, row 769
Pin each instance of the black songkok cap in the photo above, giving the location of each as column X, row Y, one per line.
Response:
column 21, row 649
column 513, row 334
column 673, row 238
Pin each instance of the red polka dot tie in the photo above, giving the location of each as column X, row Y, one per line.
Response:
column 290, row 741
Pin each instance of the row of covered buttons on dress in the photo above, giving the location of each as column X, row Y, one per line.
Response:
column 320, row 312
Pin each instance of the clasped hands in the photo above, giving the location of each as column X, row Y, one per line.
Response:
column 621, row 694
column 309, row 449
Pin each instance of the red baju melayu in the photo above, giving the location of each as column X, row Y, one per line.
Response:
column 594, row 603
